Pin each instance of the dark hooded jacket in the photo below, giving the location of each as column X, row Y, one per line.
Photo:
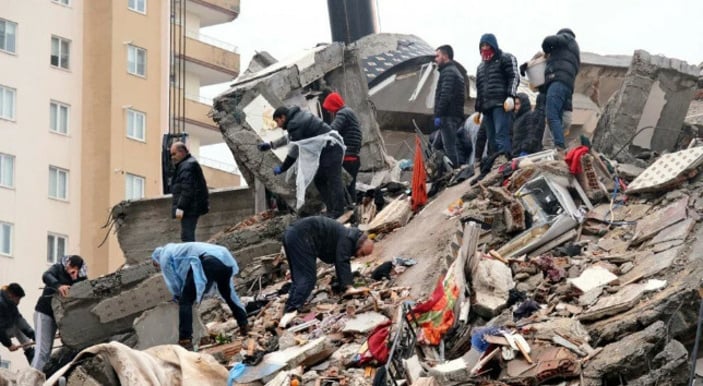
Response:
column 299, row 125
column 564, row 58
column 10, row 317
column 189, row 188
column 345, row 122
column 450, row 94
column 53, row 278
column 497, row 78
column 331, row 242
column 528, row 129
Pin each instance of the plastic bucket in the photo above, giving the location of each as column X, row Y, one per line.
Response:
column 535, row 71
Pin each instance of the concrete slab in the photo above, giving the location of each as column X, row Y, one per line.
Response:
column 280, row 360
column 363, row 323
column 159, row 325
column 666, row 170
column 650, row 264
column 623, row 300
column 144, row 296
column 661, row 219
column 593, row 277
column 678, row 231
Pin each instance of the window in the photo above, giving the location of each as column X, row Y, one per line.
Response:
column 60, row 52
column 137, row 5
column 136, row 60
column 7, row 103
column 7, row 170
column 58, row 121
column 136, row 124
column 62, row 2
column 58, row 183
column 6, row 238
column 134, row 187
column 8, row 33
column 55, row 248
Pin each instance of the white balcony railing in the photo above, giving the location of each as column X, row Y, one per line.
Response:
column 219, row 165
column 199, row 98
column 197, row 35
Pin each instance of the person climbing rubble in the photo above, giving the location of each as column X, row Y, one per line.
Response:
column 190, row 270
column 449, row 102
column 12, row 323
column 319, row 153
column 346, row 123
column 58, row 280
column 319, row 237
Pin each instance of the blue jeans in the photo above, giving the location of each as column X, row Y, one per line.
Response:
column 557, row 94
column 498, row 130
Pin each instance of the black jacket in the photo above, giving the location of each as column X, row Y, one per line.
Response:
column 529, row 128
column 10, row 317
column 299, row 125
column 563, row 60
column 347, row 124
column 496, row 79
column 189, row 188
column 450, row 94
column 53, row 278
column 331, row 242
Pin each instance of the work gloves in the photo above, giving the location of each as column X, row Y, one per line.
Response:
column 509, row 104
column 437, row 122
column 277, row 170
column 263, row 146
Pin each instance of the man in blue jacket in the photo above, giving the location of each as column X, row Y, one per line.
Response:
column 190, row 270
column 563, row 62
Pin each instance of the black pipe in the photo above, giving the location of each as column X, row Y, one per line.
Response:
column 350, row 20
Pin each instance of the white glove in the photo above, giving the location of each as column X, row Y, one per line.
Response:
column 477, row 118
column 179, row 213
column 287, row 318
column 509, row 104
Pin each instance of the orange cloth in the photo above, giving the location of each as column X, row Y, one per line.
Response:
column 333, row 102
column 419, row 188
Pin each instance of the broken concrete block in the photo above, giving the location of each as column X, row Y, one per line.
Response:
column 623, row 300
column 670, row 366
column 668, row 171
column 451, row 372
column 650, row 264
column 159, row 325
column 281, row 360
column 628, row 356
column 345, row 354
column 661, row 219
column 654, row 285
column 565, row 327
column 656, row 92
column 426, row 381
column 363, row 323
column 394, row 215
column 413, row 369
column 492, row 281
column 678, row 231
column 593, row 277
column 147, row 294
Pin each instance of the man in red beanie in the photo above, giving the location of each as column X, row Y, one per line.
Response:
column 347, row 124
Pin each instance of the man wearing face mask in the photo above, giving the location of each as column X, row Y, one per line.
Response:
column 58, row 279
column 497, row 79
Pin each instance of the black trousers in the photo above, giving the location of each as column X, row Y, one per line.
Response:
column 328, row 180
column 216, row 273
column 303, row 268
column 352, row 167
column 188, row 224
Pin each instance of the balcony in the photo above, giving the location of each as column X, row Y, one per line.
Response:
column 212, row 60
column 213, row 12
column 197, row 122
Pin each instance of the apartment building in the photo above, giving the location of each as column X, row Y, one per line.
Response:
column 84, row 105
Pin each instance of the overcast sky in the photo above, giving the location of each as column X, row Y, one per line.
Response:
column 670, row 28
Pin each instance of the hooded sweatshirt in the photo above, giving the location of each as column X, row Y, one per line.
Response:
column 497, row 78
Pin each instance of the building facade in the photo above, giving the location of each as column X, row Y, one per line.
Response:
column 84, row 105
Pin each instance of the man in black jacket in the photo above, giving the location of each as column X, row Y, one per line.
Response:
column 58, row 279
column 319, row 237
column 563, row 62
column 346, row 123
column 497, row 79
column 449, row 100
column 300, row 126
column 12, row 324
column 189, row 190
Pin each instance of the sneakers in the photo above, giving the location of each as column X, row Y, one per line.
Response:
column 244, row 330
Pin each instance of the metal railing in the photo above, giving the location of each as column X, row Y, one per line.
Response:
column 197, row 35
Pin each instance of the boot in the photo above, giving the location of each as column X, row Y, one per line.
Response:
column 29, row 354
column 244, row 330
column 186, row 344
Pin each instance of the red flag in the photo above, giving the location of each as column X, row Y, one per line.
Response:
column 419, row 189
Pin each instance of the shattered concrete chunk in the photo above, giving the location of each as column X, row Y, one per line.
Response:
column 363, row 323
column 650, row 264
column 280, row 360
column 565, row 327
column 678, row 231
column 661, row 219
column 159, row 325
column 623, row 300
column 668, row 171
column 492, row 281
